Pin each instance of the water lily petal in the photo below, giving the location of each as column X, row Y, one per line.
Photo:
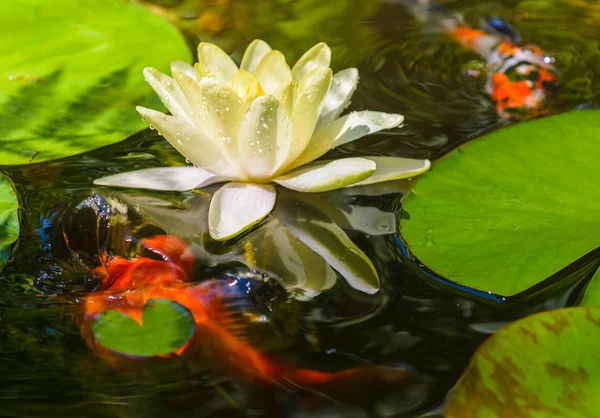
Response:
column 335, row 205
column 185, row 68
column 169, row 92
column 269, row 249
column 255, row 52
column 314, row 229
column 162, row 178
column 191, row 142
column 319, row 276
column 186, row 218
column 236, row 207
column 264, row 137
column 346, row 129
column 273, row 72
column 319, row 56
column 218, row 110
column 214, row 62
column 395, row 168
column 397, row 187
column 358, row 124
column 273, row 249
column 311, row 95
column 285, row 95
column 370, row 220
column 323, row 176
column 313, row 89
column 338, row 97
column 246, row 86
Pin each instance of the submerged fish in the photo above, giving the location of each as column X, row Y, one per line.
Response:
column 222, row 314
column 521, row 78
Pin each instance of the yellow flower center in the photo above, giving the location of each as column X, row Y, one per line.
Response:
column 246, row 86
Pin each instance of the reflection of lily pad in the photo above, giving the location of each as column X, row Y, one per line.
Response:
column 71, row 74
column 542, row 366
column 591, row 297
column 167, row 326
column 511, row 209
column 9, row 219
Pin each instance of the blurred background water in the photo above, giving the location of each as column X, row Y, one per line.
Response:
column 415, row 321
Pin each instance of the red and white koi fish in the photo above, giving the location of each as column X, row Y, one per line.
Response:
column 127, row 284
column 521, row 78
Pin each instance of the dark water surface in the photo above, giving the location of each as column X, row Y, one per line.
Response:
column 415, row 320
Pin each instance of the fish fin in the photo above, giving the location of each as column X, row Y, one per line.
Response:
column 500, row 27
column 428, row 11
column 172, row 249
column 346, row 384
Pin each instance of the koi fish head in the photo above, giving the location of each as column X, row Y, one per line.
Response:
column 175, row 265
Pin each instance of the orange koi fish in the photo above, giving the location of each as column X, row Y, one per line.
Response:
column 521, row 78
column 127, row 284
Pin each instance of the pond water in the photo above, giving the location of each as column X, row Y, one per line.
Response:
column 416, row 321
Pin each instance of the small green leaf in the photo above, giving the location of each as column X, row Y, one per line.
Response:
column 71, row 74
column 511, row 209
column 9, row 219
column 543, row 366
column 167, row 326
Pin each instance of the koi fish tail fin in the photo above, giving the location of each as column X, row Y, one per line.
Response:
column 348, row 384
column 433, row 14
column 428, row 11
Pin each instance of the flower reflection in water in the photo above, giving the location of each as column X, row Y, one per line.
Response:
column 302, row 243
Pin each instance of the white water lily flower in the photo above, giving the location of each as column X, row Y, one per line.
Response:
column 259, row 124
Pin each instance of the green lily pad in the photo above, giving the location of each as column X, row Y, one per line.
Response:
column 511, row 209
column 71, row 74
column 167, row 326
column 542, row 366
column 591, row 296
column 9, row 219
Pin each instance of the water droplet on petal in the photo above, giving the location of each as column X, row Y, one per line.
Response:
column 354, row 251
